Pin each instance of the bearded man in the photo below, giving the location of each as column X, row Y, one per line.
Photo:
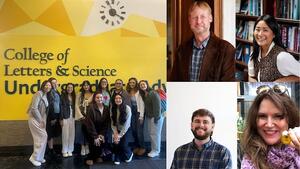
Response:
column 202, row 152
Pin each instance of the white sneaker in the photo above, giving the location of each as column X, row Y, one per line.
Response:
column 70, row 154
column 43, row 161
column 65, row 154
column 130, row 158
column 117, row 162
column 87, row 150
column 153, row 154
column 82, row 151
column 34, row 162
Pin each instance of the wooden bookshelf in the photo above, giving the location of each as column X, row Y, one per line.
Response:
column 267, row 7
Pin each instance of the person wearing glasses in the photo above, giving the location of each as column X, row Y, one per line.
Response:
column 270, row 61
column 120, row 90
column 202, row 152
column 204, row 57
column 104, row 89
column 271, row 114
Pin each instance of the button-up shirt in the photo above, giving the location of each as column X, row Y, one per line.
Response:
column 211, row 155
column 197, row 58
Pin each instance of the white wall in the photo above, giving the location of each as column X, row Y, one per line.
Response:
column 185, row 98
column 229, row 21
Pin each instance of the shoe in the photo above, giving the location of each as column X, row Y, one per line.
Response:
column 99, row 160
column 70, row 154
column 65, row 154
column 89, row 162
column 82, row 151
column 136, row 150
column 117, row 162
column 130, row 158
column 34, row 162
column 87, row 150
column 43, row 161
column 153, row 154
column 141, row 152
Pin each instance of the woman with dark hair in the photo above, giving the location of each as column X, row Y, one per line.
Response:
column 153, row 116
column 97, row 123
column 271, row 114
column 53, row 126
column 67, row 115
column 137, row 119
column 269, row 60
column 104, row 89
column 83, row 99
column 37, row 114
column 120, row 123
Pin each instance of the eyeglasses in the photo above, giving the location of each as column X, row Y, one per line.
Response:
column 280, row 89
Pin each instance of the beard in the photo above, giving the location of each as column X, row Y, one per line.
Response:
column 201, row 137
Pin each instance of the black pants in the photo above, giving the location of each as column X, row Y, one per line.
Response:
column 122, row 151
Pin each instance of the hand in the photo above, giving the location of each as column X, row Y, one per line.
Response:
column 102, row 139
column 61, row 122
column 141, row 121
column 52, row 122
column 116, row 138
column 97, row 142
column 42, row 124
column 295, row 137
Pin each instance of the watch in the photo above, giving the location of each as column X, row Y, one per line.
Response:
column 112, row 12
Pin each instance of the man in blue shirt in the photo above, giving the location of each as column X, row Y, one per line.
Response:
column 202, row 152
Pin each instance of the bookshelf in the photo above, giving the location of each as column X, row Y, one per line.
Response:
column 286, row 13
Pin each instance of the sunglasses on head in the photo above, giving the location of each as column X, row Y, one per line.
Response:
column 280, row 89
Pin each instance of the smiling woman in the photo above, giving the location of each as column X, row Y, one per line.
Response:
column 272, row 113
column 270, row 61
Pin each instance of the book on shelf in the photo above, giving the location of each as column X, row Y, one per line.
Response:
column 250, row 7
column 290, row 37
column 243, row 52
column 245, row 30
column 288, row 9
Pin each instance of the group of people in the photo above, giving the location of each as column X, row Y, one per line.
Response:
column 101, row 121
column 206, row 57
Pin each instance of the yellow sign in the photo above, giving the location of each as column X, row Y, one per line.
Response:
column 76, row 40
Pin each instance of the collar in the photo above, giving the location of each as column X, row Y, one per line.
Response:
column 270, row 47
column 209, row 143
column 202, row 45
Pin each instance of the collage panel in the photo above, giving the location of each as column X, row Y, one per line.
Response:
column 267, row 40
column 82, row 83
column 201, row 40
column 268, row 125
column 183, row 100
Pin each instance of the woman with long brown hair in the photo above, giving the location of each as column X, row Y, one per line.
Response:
column 272, row 113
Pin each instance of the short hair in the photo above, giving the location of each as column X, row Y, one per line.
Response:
column 200, row 4
column 203, row 112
